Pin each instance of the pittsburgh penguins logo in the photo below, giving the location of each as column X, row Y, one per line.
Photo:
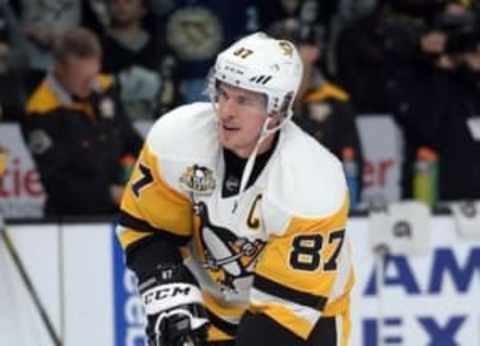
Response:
column 198, row 179
column 227, row 257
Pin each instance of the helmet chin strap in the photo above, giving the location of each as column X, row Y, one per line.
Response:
column 253, row 155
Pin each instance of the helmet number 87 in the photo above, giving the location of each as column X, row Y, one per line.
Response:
column 306, row 252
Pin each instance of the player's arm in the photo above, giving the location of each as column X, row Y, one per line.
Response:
column 155, row 222
column 300, row 284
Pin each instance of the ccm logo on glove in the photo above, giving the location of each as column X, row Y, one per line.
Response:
column 166, row 292
column 164, row 297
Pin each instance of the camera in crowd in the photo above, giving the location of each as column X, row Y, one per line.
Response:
column 463, row 31
column 407, row 21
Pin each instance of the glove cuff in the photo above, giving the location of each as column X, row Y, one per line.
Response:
column 167, row 274
column 167, row 296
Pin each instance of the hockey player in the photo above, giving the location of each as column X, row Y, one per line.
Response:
column 234, row 219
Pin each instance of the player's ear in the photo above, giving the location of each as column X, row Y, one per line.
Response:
column 275, row 119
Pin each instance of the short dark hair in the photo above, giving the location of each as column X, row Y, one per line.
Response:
column 78, row 42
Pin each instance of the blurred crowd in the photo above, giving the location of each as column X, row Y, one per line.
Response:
column 77, row 73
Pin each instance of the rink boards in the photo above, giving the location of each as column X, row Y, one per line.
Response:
column 80, row 277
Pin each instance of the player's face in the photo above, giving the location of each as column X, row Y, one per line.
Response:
column 241, row 114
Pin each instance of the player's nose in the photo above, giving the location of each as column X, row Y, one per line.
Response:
column 229, row 109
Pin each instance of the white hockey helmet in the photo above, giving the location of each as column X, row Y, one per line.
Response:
column 262, row 64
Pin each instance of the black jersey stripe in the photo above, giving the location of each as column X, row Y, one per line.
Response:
column 275, row 289
column 140, row 225
column 226, row 327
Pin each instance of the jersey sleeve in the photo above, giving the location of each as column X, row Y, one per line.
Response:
column 156, row 216
column 152, row 208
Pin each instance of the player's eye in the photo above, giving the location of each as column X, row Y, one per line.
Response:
column 222, row 94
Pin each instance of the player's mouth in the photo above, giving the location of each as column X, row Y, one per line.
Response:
column 229, row 128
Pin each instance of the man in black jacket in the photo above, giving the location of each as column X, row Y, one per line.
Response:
column 437, row 104
column 78, row 132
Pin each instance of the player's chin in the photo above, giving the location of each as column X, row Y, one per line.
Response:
column 227, row 135
column 228, row 141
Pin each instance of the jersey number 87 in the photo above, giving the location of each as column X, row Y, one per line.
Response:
column 306, row 253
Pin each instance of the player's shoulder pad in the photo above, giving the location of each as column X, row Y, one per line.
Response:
column 184, row 137
column 185, row 133
column 305, row 180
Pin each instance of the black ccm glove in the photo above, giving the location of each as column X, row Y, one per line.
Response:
column 173, row 304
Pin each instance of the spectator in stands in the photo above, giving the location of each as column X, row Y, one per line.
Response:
column 362, row 47
column 436, row 98
column 40, row 22
column 77, row 131
column 13, row 65
column 314, row 20
column 126, row 41
column 360, row 54
column 313, row 17
column 195, row 31
column 327, row 114
column 142, row 66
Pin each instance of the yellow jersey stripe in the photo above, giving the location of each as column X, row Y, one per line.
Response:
column 128, row 236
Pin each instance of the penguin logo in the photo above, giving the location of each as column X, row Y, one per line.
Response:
column 227, row 257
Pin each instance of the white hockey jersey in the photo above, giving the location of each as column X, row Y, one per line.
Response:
column 279, row 248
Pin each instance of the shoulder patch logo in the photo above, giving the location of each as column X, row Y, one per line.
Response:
column 198, row 179
column 39, row 141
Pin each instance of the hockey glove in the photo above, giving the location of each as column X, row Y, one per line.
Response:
column 173, row 304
